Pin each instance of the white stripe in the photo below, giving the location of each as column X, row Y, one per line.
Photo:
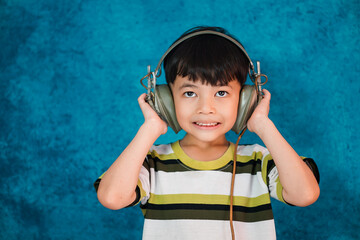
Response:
column 273, row 175
column 144, row 179
column 248, row 150
column 206, row 182
column 163, row 149
column 206, row 230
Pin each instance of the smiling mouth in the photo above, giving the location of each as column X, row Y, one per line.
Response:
column 207, row 124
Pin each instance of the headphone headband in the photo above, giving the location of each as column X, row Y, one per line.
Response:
column 157, row 70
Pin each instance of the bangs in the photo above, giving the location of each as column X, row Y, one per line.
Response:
column 209, row 58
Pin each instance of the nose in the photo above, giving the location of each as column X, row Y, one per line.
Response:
column 206, row 105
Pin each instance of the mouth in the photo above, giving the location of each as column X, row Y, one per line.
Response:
column 206, row 125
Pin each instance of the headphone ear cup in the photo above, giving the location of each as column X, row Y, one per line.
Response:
column 247, row 104
column 165, row 107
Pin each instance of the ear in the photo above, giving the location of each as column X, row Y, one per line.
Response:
column 165, row 106
column 247, row 104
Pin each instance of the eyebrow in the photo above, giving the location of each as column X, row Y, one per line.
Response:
column 224, row 85
column 190, row 85
column 185, row 85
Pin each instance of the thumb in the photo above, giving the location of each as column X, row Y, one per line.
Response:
column 142, row 103
column 266, row 96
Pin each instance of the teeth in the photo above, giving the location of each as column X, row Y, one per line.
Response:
column 206, row 124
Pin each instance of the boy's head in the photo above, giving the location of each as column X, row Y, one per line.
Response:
column 209, row 58
column 205, row 74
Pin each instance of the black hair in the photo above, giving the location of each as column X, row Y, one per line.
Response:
column 210, row 58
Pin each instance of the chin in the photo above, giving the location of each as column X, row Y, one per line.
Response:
column 206, row 135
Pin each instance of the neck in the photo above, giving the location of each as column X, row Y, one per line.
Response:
column 189, row 140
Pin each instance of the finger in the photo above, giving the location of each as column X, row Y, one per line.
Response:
column 141, row 98
column 267, row 95
column 142, row 103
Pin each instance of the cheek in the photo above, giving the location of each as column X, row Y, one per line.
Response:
column 183, row 119
column 233, row 112
column 181, row 111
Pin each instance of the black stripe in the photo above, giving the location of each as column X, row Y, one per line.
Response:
column 270, row 166
column 313, row 167
column 137, row 199
column 221, row 212
column 168, row 161
column 176, row 161
column 252, row 166
column 206, row 207
column 146, row 163
column 174, row 165
column 96, row 184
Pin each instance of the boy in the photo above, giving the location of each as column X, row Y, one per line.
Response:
column 184, row 186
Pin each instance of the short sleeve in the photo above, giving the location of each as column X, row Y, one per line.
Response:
column 271, row 178
column 144, row 180
column 143, row 186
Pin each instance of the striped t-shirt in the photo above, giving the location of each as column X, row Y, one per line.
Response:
column 182, row 198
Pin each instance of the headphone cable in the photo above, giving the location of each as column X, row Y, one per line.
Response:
column 232, row 185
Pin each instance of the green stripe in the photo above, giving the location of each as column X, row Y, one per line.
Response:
column 279, row 190
column 203, row 165
column 209, row 199
column 265, row 169
column 142, row 191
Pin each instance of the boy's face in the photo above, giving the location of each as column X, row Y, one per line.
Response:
column 205, row 112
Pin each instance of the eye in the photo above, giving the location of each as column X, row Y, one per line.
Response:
column 221, row 93
column 189, row 94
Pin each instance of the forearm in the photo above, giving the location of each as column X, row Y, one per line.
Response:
column 117, row 186
column 299, row 184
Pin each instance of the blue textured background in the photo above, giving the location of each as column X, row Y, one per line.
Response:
column 69, row 80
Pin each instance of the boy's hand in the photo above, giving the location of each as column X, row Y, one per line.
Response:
column 260, row 115
column 152, row 120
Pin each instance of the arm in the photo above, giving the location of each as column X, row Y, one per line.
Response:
column 117, row 186
column 300, row 187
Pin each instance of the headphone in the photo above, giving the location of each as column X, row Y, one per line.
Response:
column 161, row 100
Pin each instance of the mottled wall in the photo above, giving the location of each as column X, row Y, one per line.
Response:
column 69, row 80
